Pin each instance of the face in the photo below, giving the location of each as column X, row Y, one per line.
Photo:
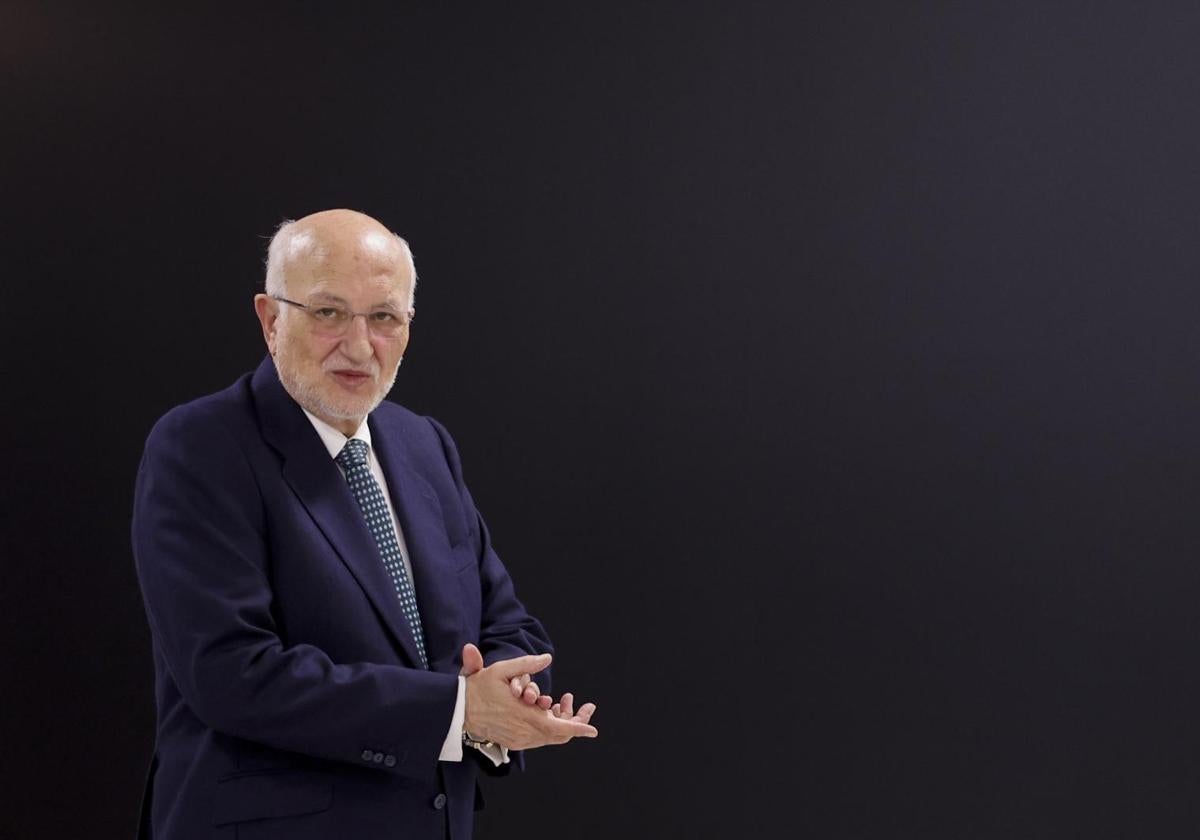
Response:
column 340, row 379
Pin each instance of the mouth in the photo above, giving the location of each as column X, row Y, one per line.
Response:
column 352, row 379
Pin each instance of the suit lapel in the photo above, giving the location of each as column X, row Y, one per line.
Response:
column 321, row 488
column 421, row 521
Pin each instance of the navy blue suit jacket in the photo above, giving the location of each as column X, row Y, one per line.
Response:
column 291, row 703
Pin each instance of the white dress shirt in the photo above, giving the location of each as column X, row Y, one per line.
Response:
column 452, row 748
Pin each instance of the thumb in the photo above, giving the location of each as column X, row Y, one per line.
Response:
column 509, row 668
column 472, row 660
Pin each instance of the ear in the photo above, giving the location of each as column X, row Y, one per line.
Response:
column 267, row 311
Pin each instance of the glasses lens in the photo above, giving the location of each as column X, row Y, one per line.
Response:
column 335, row 321
column 329, row 320
column 387, row 324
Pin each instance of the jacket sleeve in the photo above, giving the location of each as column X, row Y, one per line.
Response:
column 507, row 630
column 202, row 557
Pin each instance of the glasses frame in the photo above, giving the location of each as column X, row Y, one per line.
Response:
column 310, row 310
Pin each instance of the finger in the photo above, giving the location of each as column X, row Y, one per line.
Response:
column 567, row 700
column 563, row 728
column 544, row 701
column 531, row 694
column 509, row 668
column 472, row 659
column 556, row 709
column 585, row 712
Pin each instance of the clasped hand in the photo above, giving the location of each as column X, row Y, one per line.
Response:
column 505, row 706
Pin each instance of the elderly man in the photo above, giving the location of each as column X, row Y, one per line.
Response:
column 337, row 647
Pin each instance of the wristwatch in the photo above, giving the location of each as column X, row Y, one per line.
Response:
column 471, row 741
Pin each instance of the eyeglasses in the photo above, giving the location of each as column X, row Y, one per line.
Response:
column 330, row 320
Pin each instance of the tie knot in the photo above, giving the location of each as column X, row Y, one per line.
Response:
column 352, row 454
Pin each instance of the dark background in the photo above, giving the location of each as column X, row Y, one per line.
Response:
column 826, row 373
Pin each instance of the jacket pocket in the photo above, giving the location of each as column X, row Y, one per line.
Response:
column 276, row 793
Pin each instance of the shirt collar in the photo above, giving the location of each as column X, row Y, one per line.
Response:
column 332, row 438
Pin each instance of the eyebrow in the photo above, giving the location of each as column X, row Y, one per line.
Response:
column 326, row 297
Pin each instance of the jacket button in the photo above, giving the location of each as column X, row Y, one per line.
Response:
column 378, row 757
column 389, row 761
column 367, row 755
column 439, row 801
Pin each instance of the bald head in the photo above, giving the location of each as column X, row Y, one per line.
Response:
column 300, row 250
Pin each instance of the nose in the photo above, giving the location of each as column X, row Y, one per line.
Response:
column 356, row 343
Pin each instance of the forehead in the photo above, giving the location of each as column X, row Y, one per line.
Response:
column 371, row 266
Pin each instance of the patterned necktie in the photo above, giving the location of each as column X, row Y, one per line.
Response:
column 353, row 460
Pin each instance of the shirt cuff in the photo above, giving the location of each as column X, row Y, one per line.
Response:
column 452, row 747
column 496, row 754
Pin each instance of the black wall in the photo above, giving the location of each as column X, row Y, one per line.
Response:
column 826, row 373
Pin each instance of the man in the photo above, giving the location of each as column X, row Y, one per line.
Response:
column 337, row 647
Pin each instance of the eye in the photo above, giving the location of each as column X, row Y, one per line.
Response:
column 327, row 313
column 383, row 317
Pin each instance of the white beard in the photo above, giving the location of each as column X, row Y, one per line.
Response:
column 310, row 397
